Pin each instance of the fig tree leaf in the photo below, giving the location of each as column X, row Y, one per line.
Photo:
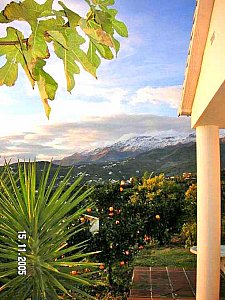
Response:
column 113, row 12
column 79, row 55
column 46, row 84
column 3, row 19
column 70, row 67
column 58, row 37
column 37, row 43
column 99, row 35
column 28, row 10
column 102, row 16
column 9, row 73
column 107, row 2
column 116, row 44
column 73, row 17
column 120, row 28
column 92, row 56
column 104, row 51
column 71, row 55
column 59, row 28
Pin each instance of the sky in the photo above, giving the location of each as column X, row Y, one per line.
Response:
column 135, row 94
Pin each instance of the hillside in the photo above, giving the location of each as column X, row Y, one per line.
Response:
column 124, row 149
column 170, row 160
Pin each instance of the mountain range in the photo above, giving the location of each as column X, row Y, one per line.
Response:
column 125, row 149
column 174, row 157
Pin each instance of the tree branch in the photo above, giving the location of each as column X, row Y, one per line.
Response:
column 9, row 43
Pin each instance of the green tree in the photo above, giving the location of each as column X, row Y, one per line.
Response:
column 189, row 228
column 120, row 234
column 61, row 28
column 162, row 200
column 191, row 203
column 35, row 226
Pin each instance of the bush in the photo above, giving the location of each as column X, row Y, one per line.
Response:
column 35, row 220
column 120, row 235
column 189, row 228
column 162, row 200
column 189, row 234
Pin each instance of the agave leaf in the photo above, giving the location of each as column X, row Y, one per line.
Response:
column 26, row 204
column 57, row 284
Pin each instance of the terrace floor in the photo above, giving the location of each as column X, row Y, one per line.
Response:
column 165, row 283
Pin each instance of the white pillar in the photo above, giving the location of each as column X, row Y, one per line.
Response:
column 208, row 213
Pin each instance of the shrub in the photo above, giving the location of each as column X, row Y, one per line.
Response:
column 120, row 235
column 189, row 228
column 34, row 226
column 191, row 203
column 189, row 234
column 162, row 200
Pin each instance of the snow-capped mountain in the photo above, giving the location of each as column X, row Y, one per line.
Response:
column 146, row 143
column 125, row 149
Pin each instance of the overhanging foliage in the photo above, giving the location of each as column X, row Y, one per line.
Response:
column 59, row 28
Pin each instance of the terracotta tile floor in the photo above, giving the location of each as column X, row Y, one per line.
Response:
column 165, row 283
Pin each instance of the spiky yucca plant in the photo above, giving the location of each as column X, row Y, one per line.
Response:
column 35, row 259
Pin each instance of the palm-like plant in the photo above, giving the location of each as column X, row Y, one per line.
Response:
column 35, row 219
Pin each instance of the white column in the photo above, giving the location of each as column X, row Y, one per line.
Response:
column 208, row 213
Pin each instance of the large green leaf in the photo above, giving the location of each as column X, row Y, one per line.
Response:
column 46, row 84
column 27, row 10
column 73, row 17
column 120, row 28
column 97, row 34
column 9, row 71
column 92, row 55
column 60, row 28
column 3, row 19
column 72, row 55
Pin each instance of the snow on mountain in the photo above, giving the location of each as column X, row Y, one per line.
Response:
column 146, row 143
column 125, row 149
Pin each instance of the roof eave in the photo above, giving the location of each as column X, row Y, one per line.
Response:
column 200, row 30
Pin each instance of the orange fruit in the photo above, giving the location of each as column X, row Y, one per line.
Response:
column 89, row 209
column 122, row 182
column 74, row 272
column 111, row 208
column 102, row 267
column 157, row 217
column 122, row 263
column 87, row 270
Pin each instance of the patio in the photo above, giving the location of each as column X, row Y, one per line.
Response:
column 166, row 283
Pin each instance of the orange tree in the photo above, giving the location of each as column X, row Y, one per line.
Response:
column 121, row 232
column 189, row 228
column 163, row 203
column 152, row 209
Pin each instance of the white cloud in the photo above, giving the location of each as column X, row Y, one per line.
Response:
column 62, row 139
column 169, row 95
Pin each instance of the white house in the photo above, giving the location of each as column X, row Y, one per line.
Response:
column 203, row 99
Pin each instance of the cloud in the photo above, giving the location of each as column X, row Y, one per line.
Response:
column 63, row 139
column 169, row 95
